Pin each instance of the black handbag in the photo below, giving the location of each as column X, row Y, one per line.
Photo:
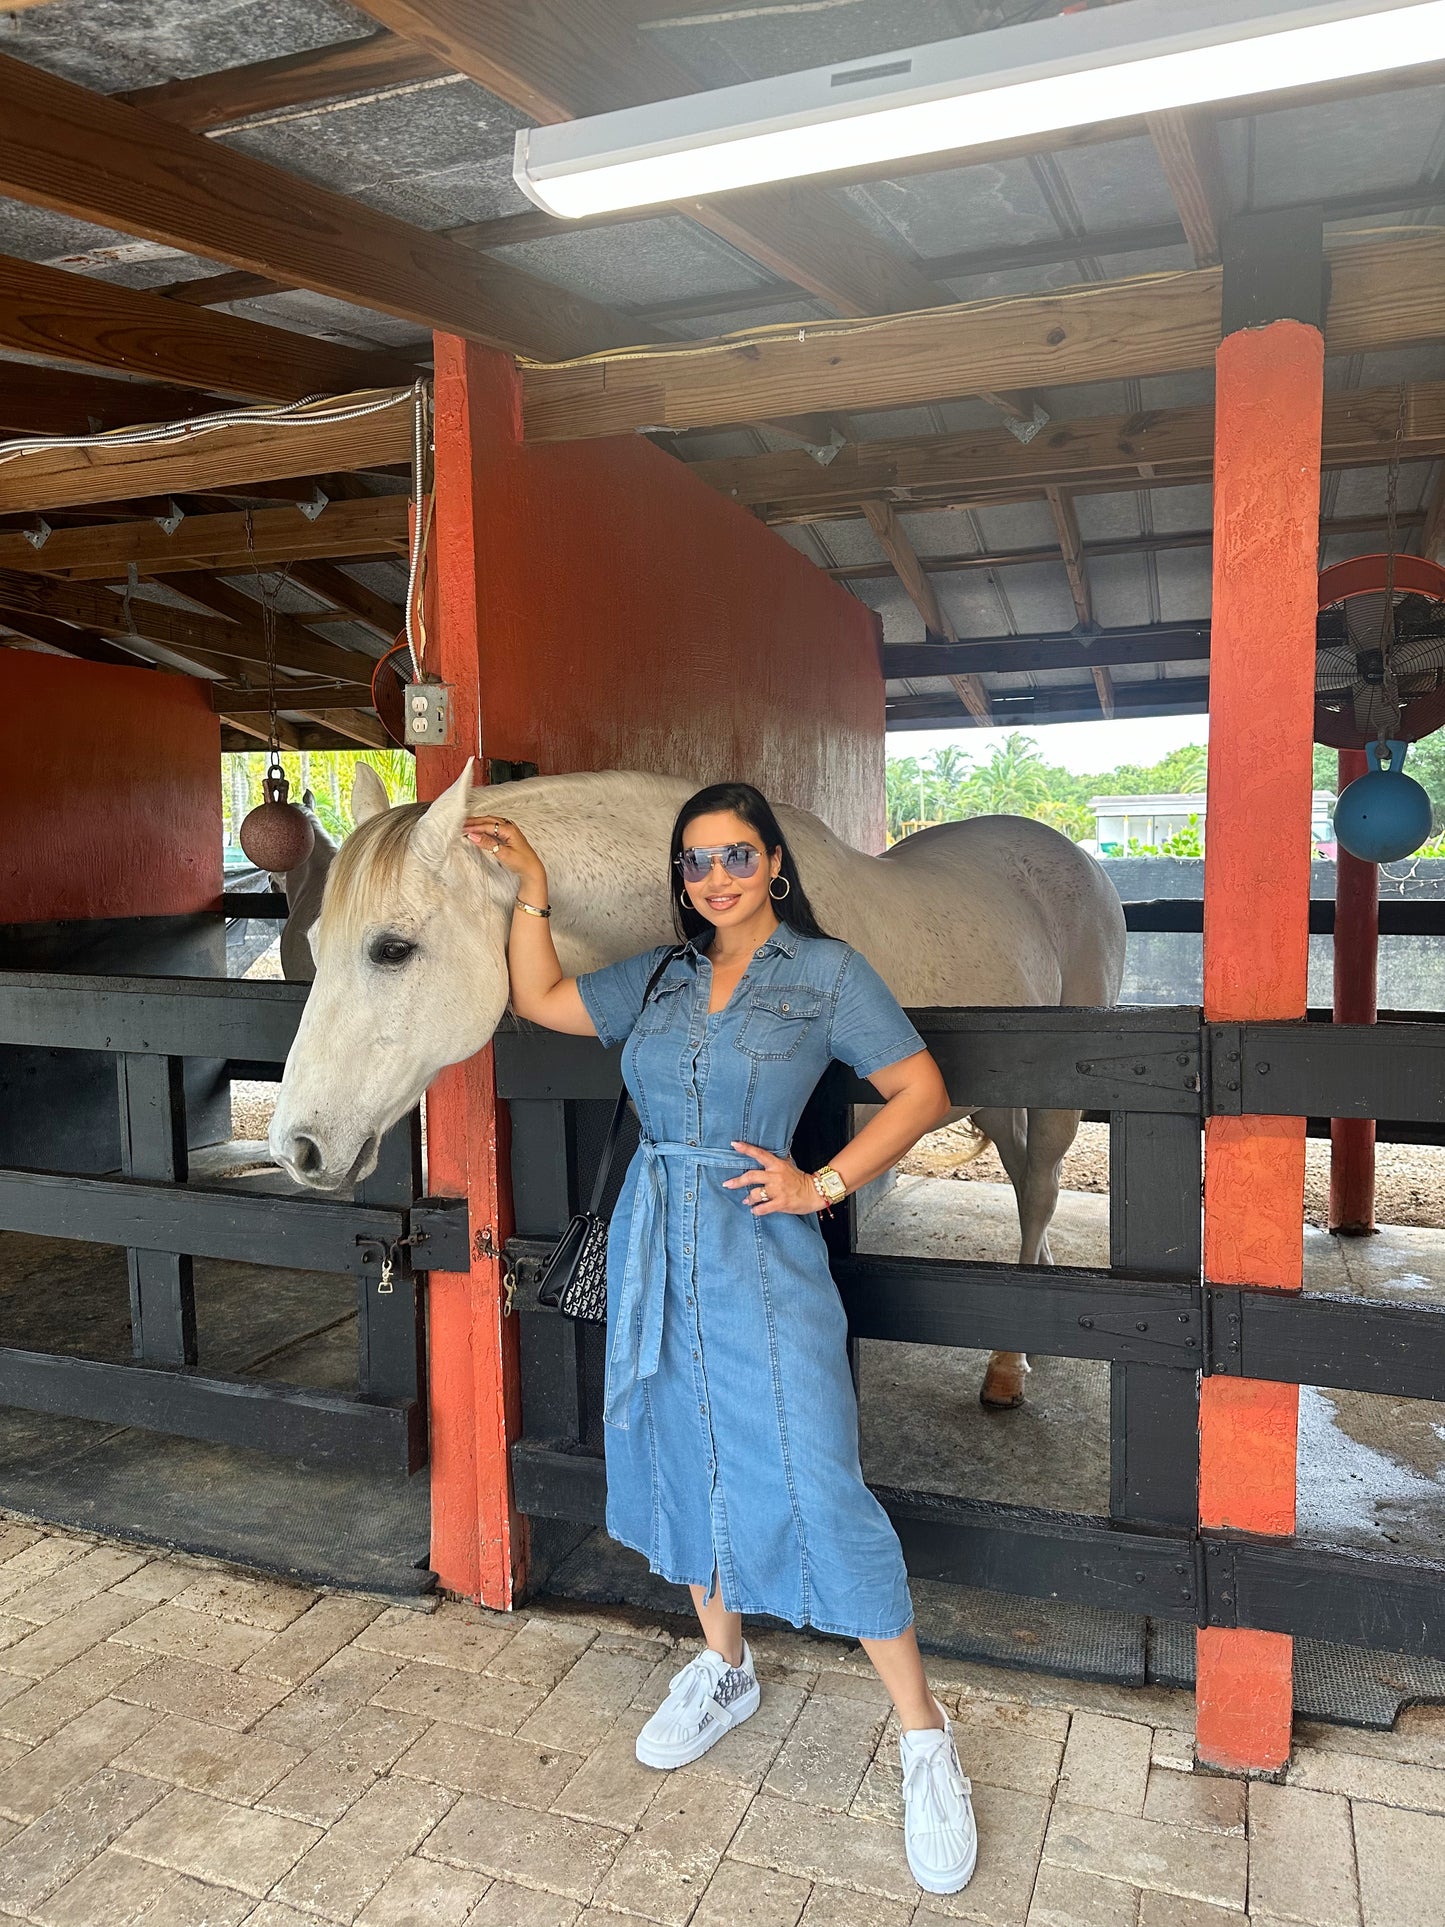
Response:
column 574, row 1275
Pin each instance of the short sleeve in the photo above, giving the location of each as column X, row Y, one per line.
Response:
column 612, row 996
column 870, row 1028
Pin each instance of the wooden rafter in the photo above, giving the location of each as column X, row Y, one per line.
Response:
column 296, row 648
column 1383, row 294
column 206, row 640
column 972, row 560
column 1187, row 143
column 85, row 154
column 51, row 401
column 359, row 724
column 1071, row 545
column 1110, row 450
column 901, row 553
column 297, row 697
column 46, row 311
column 238, row 540
column 1110, row 649
column 351, row 598
column 221, row 458
column 364, row 66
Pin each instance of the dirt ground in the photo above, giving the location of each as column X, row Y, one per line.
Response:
column 1409, row 1178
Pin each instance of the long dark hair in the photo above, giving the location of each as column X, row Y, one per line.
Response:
column 741, row 799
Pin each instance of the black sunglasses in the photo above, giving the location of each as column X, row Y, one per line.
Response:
column 738, row 859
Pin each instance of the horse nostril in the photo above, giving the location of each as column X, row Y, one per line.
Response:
column 305, row 1154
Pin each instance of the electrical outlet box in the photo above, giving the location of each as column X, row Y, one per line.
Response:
column 428, row 715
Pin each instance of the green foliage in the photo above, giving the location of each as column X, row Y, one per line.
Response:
column 1015, row 780
column 327, row 773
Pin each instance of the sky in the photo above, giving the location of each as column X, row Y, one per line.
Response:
column 1083, row 748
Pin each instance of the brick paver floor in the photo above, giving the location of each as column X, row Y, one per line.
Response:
column 184, row 1746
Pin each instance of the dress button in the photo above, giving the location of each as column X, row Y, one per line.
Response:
column 757, row 953
column 692, row 1140
column 687, row 1251
column 688, row 1196
column 696, row 1354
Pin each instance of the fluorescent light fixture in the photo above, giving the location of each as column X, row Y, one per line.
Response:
column 1103, row 64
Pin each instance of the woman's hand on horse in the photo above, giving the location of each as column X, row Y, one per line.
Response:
column 779, row 1186
column 498, row 836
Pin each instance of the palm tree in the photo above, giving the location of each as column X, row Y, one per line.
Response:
column 1014, row 780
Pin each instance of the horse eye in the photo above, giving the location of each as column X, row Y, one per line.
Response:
column 391, row 950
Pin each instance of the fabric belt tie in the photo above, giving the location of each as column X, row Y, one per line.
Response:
column 637, row 1329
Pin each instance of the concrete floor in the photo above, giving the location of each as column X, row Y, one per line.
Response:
column 1371, row 1468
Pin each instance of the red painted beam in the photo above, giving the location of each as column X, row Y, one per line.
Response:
column 1269, row 385
column 479, row 1539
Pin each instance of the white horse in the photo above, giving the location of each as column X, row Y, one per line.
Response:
column 412, row 969
column 305, row 885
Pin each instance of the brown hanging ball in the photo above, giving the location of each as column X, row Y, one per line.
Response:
column 276, row 835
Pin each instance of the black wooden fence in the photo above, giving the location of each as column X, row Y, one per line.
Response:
column 383, row 1236
column 1157, row 1074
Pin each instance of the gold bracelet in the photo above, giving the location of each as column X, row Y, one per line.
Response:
column 532, row 910
column 829, row 1185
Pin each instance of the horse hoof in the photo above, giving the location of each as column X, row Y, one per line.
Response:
column 1003, row 1385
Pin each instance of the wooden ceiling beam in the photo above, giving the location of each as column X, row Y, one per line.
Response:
column 372, row 64
column 55, row 401
column 1123, row 451
column 296, row 647
column 357, row 724
column 66, row 639
column 901, row 553
column 1385, row 293
column 255, row 702
column 72, row 317
column 1066, row 523
column 1187, row 143
column 207, row 641
column 95, row 158
column 1121, row 648
column 351, row 598
column 239, row 540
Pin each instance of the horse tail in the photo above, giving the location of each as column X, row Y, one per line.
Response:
column 979, row 1141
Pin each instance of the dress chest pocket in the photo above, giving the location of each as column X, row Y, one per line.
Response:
column 779, row 1018
column 662, row 1007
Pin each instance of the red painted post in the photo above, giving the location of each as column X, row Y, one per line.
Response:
column 1357, row 950
column 479, row 1539
column 1269, row 396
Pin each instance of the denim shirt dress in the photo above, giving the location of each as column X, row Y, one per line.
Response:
column 731, row 1425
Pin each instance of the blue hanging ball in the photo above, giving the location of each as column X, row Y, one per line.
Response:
column 1384, row 814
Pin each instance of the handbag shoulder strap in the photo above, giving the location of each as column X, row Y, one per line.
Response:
column 609, row 1148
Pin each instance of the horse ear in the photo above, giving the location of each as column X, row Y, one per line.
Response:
column 440, row 830
column 308, row 799
column 368, row 794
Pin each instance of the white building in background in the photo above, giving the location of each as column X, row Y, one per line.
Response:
column 1151, row 820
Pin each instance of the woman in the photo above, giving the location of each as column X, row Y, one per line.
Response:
column 731, row 1422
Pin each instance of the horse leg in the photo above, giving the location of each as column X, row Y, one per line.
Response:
column 1003, row 1382
column 1050, row 1133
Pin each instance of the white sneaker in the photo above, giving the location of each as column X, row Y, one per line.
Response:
column 938, row 1825
column 706, row 1699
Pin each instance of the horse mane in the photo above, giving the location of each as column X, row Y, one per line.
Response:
column 362, row 885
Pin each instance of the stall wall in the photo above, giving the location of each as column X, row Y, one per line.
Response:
column 632, row 618
column 110, row 792
column 110, row 864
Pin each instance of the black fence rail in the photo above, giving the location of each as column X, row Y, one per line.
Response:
column 384, row 1236
column 1156, row 1074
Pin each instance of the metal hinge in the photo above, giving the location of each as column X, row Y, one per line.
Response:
column 1224, row 1056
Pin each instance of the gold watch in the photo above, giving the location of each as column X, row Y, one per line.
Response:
column 829, row 1185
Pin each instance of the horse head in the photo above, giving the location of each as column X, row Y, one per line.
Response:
column 411, row 975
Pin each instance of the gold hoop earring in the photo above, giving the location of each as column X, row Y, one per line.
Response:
column 778, row 895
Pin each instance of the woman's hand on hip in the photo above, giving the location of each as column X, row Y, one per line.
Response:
column 778, row 1186
column 499, row 836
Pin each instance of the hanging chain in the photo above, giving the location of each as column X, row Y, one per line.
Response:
column 1389, row 680
column 267, row 595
